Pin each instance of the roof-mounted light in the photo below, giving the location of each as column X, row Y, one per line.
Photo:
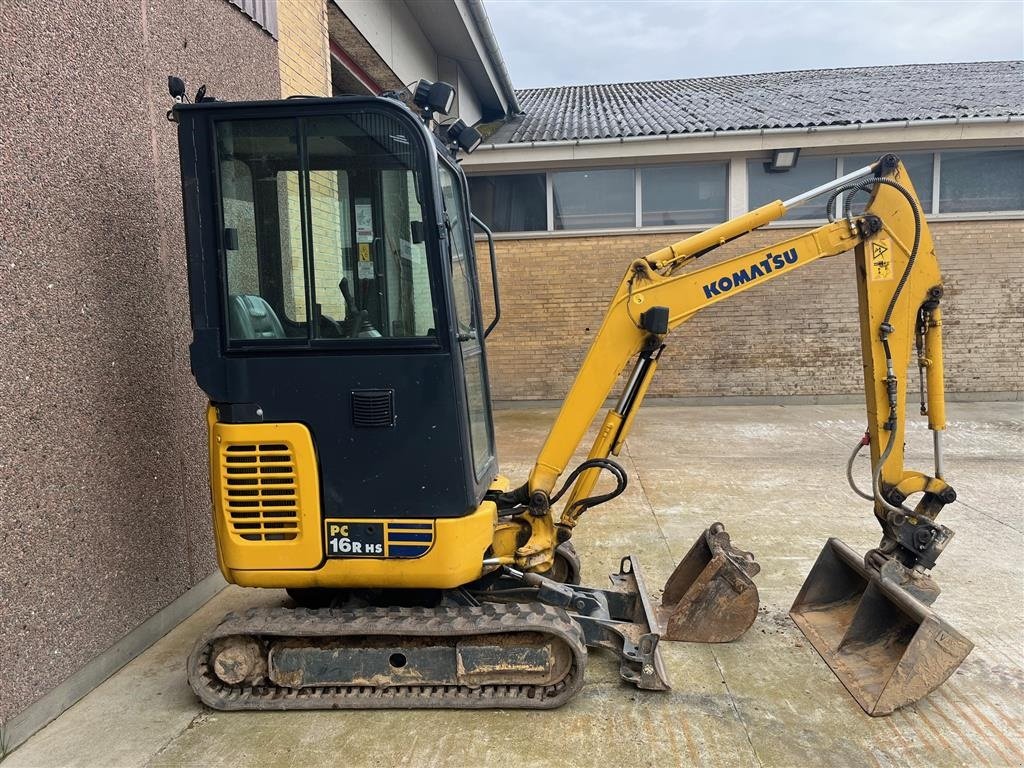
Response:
column 465, row 136
column 434, row 97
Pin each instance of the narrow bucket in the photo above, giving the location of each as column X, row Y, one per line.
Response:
column 888, row 648
column 711, row 596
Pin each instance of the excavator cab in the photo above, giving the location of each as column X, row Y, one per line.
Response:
column 335, row 293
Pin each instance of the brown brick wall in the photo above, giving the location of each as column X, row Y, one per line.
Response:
column 795, row 336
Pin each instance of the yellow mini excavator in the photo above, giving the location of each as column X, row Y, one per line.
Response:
column 339, row 336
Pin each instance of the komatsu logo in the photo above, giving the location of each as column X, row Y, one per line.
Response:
column 756, row 270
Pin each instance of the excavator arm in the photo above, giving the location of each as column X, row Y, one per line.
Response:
column 899, row 290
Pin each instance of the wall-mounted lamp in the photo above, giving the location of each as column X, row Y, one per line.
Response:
column 782, row 160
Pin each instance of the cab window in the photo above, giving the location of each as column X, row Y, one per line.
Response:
column 465, row 291
column 322, row 234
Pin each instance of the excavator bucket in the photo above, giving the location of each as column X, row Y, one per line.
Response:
column 710, row 597
column 887, row 647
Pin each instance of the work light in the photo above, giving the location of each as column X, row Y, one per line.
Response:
column 467, row 137
column 434, row 97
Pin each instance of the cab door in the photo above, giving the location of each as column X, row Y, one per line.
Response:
column 466, row 310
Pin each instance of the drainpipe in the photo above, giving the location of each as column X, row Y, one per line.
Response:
column 479, row 14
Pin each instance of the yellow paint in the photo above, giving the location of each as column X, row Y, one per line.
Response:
column 934, row 372
column 873, row 298
column 538, row 553
column 460, row 544
column 683, row 292
column 239, row 514
column 627, row 425
column 604, row 444
column 455, row 558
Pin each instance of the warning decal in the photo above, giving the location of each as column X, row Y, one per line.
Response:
column 881, row 259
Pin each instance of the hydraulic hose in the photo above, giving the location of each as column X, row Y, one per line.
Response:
column 582, row 505
column 857, row 186
column 849, row 468
column 877, row 474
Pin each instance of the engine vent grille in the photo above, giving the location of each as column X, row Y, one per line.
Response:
column 261, row 491
column 373, row 408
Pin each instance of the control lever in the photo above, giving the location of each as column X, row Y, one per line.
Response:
column 358, row 316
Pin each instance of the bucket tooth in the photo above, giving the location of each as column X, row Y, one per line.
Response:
column 887, row 647
column 710, row 597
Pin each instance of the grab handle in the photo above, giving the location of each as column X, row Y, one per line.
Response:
column 494, row 273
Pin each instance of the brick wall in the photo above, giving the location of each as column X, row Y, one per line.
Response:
column 304, row 56
column 302, row 48
column 794, row 336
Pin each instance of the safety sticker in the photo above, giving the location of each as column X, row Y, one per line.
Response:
column 881, row 259
column 365, row 264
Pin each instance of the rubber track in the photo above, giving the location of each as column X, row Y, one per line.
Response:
column 488, row 619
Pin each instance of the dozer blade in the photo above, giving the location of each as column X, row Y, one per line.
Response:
column 888, row 648
column 710, row 597
column 627, row 625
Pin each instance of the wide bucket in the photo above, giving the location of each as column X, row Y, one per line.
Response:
column 711, row 596
column 888, row 648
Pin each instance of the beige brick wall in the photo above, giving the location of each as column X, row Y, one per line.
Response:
column 302, row 48
column 304, row 57
column 794, row 336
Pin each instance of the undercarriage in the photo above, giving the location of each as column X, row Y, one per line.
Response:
column 512, row 640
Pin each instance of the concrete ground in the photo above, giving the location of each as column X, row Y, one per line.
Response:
column 775, row 477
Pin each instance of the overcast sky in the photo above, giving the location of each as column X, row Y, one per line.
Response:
column 564, row 42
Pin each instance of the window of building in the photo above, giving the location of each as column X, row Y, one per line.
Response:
column 981, row 180
column 694, row 193
column 604, row 199
column 920, row 166
column 809, row 172
column 510, row 203
column 697, row 194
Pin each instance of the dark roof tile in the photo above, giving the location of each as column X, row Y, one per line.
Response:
column 806, row 98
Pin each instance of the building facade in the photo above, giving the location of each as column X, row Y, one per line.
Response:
column 105, row 535
column 589, row 178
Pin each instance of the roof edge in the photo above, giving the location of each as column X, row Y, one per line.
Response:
column 483, row 25
column 755, row 132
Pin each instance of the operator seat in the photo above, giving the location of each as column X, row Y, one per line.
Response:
column 251, row 317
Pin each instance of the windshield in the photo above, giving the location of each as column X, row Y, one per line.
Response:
column 323, row 229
